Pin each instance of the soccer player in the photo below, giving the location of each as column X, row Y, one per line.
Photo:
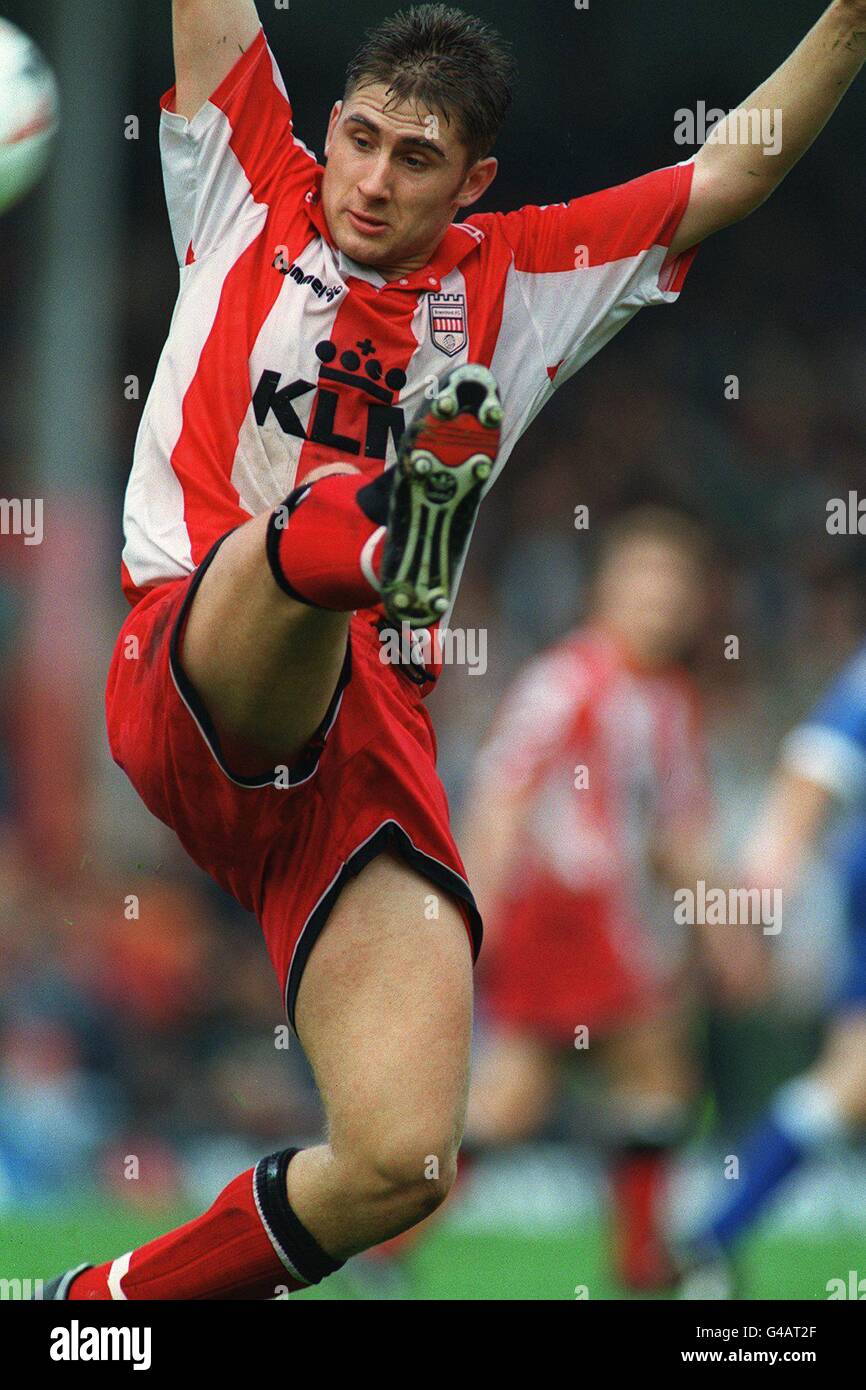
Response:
column 298, row 480
column 590, row 803
column 823, row 765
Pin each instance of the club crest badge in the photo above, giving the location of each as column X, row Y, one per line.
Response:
column 448, row 322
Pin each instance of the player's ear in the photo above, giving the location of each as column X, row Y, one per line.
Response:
column 478, row 179
column 332, row 123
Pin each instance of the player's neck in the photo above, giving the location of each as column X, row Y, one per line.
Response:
column 400, row 273
column 406, row 268
column 401, row 270
column 632, row 651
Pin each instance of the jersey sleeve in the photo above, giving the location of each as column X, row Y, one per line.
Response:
column 530, row 726
column 233, row 157
column 830, row 747
column 586, row 267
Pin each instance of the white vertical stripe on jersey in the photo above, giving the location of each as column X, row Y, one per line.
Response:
column 207, row 191
column 266, row 460
column 157, row 541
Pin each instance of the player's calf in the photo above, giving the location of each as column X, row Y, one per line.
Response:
column 251, row 1244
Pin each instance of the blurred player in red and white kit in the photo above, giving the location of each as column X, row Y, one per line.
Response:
column 590, row 802
column 298, row 481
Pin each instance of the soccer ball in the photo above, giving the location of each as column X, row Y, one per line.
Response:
column 28, row 113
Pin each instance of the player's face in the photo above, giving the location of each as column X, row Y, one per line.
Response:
column 394, row 180
column 652, row 592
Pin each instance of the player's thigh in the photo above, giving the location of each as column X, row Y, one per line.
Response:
column 842, row 1066
column 265, row 666
column 651, row 1056
column 384, row 1013
column 513, row 1088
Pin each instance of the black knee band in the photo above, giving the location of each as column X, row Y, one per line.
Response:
column 296, row 1247
column 277, row 524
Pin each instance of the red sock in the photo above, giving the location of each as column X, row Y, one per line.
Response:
column 228, row 1253
column 323, row 548
column 639, row 1184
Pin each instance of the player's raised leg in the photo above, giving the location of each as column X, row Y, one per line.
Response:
column 266, row 634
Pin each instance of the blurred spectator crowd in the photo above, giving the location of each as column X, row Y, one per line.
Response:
column 159, row 1034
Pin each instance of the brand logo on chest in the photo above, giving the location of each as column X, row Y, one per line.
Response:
column 316, row 286
column 354, row 411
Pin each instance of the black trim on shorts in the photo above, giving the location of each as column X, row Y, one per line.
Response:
column 308, row 760
column 391, row 836
column 414, row 672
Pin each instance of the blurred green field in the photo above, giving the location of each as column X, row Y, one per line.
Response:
column 451, row 1264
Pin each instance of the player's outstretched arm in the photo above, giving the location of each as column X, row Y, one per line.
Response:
column 734, row 957
column 733, row 175
column 787, row 829
column 209, row 37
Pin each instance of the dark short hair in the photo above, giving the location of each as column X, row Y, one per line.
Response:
column 451, row 62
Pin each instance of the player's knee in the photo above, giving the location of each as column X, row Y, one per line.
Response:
column 415, row 1175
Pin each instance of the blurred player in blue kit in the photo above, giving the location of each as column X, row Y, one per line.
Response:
column 822, row 767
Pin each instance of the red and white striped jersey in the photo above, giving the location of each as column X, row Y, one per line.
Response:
column 284, row 354
column 613, row 756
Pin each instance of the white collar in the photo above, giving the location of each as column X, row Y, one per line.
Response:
column 347, row 266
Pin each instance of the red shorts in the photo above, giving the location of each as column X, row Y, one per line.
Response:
column 558, row 961
column 365, row 783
